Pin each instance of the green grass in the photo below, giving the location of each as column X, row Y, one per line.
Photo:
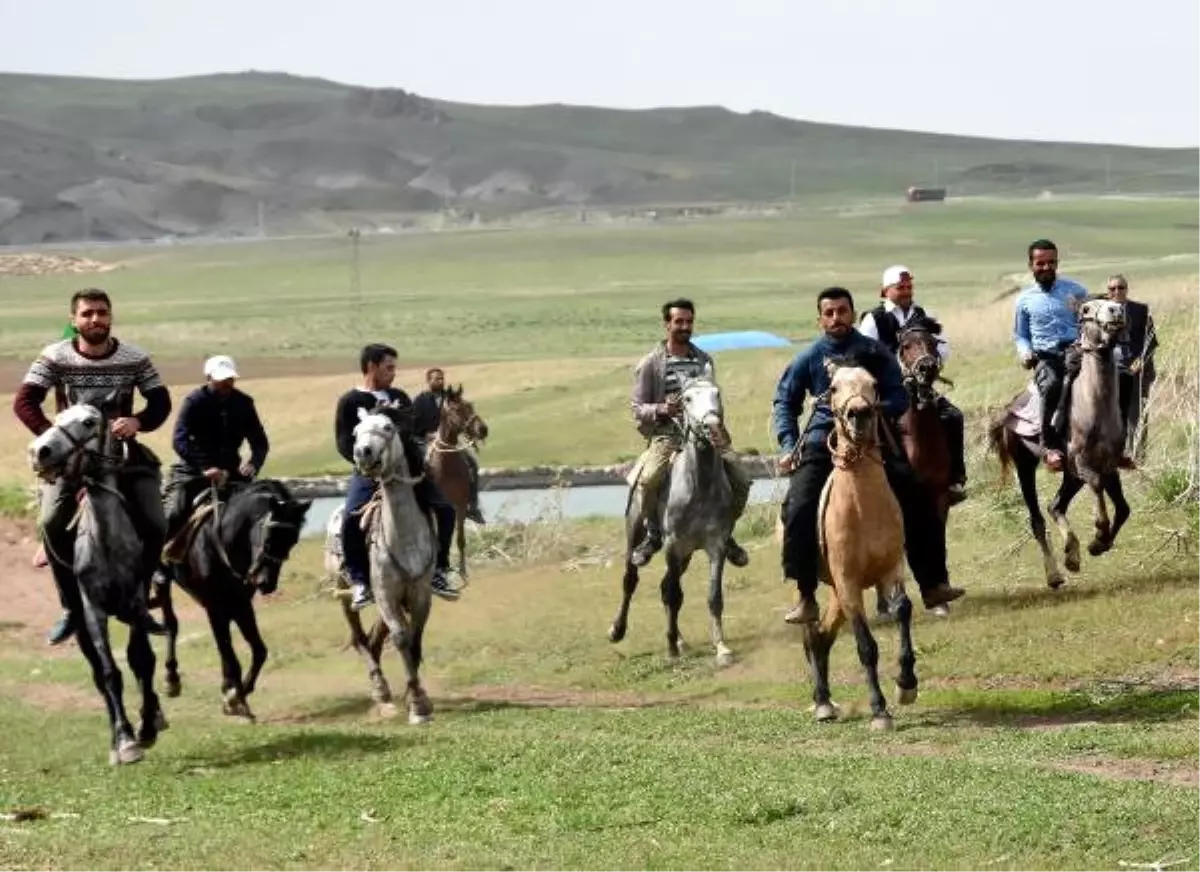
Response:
column 1053, row 730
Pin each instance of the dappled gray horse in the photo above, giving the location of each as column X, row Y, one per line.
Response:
column 401, row 547
column 107, row 563
column 698, row 515
column 1095, row 442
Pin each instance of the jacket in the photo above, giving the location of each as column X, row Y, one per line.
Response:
column 650, row 385
column 210, row 431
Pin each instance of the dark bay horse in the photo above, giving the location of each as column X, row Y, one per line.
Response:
column 447, row 460
column 239, row 547
column 921, row 428
column 1094, row 448
column 78, row 451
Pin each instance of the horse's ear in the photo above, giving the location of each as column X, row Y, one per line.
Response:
column 363, row 413
column 706, row 371
column 831, row 367
column 303, row 506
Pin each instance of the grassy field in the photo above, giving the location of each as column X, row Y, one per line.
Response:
column 1054, row 729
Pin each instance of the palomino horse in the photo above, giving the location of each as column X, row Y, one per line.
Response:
column 401, row 547
column 108, row 564
column 229, row 551
column 447, row 463
column 861, row 534
column 698, row 515
column 1094, row 447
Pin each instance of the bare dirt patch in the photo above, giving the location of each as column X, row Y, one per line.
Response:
column 45, row 264
column 30, row 601
column 1181, row 774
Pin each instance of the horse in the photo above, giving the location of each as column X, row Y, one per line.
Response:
column 230, row 550
column 697, row 515
column 1094, row 447
column 447, row 464
column 921, row 429
column 402, row 552
column 860, row 530
column 108, row 563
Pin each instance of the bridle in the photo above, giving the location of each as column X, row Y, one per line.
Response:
column 915, row 372
column 693, row 430
column 261, row 556
column 853, row 451
column 393, row 445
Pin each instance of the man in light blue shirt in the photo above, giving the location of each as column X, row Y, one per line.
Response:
column 1045, row 329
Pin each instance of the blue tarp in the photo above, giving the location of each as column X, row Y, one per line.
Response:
column 741, row 339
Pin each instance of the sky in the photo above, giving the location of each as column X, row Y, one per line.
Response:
column 1078, row 70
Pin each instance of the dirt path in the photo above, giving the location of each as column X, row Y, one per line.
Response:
column 30, row 603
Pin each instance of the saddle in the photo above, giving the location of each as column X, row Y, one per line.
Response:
column 175, row 550
column 1024, row 414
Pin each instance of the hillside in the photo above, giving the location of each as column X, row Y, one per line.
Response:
column 215, row 155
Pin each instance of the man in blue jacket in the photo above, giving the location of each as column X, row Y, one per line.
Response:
column 213, row 423
column 807, row 458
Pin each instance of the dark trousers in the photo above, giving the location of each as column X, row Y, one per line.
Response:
column 183, row 485
column 472, row 477
column 354, row 539
column 1134, row 390
column 924, row 535
column 956, row 441
column 1048, row 378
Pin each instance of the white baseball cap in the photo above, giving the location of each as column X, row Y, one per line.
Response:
column 220, row 367
column 894, row 274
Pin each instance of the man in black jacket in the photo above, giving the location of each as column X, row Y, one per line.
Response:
column 378, row 365
column 216, row 418
column 1135, row 363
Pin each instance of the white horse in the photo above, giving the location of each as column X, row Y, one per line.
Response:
column 401, row 548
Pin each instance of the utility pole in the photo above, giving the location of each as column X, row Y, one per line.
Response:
column 1107, row 173
column 355, row 283
column 792, row 188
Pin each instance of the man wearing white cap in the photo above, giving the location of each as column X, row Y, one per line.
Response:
column 885, row 323
column 214, row 421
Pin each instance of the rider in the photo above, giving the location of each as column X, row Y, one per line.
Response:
column 808, row 456
column 1046, row 330
column 885, row 323
column 656, row 385
column 95, row 361
column 1135, row 367
column 427, row 407
column 378, row 365
column 214, row 421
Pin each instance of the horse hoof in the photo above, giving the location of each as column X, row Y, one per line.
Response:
column 1055, row 581
column 1071, row 555
column 940, row 611
column 1096, row 547
column 724, row 658
column 387, row 709
column 174, row 687
column 615, row 633
column 906, row 695
column 416, row 719
column 826, row 713
column 882, row 723
column 160, row 721
column 128, row 751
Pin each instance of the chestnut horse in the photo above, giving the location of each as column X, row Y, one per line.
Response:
column 447, row 462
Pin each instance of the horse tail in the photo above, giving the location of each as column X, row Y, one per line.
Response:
column 998, row 442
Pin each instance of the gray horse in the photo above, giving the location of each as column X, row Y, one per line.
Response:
column 698, row 515
column 1094, row 447
column 401, row 547
column 108, row 565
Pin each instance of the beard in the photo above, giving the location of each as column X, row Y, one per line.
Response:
column 95, row 335
column 1046, row 278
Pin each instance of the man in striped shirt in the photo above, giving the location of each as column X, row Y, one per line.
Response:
column 95, row 362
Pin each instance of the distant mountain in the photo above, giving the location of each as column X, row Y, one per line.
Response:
column 104, row 159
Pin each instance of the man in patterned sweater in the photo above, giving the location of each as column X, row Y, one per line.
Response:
column 656, row 385
column 94, row 361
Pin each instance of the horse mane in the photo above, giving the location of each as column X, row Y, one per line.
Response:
column 401, row 417
column 923, row 322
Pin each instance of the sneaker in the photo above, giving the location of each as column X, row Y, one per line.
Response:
column 1053, row 460
column 63, row 630
column 1126, row 462
column 941, row 595
column 807, row 612
column 442, row 587
column 360, row 596
column 475, row 515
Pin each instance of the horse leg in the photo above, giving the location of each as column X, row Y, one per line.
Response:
column 629, row 583
column 420, row 708
column 370, row 649
column 391, row 610
column 460, row 539
column 232, row 695
column 671, row 589
column 141, row 659
column 171, row 622
column 868, row 655
column 1026, row 465
column 901, row 606
column 247, row 624
column 106, row 675
column 1106, row 530
column 818, row 642
column 1058, row 511
column 716, row 604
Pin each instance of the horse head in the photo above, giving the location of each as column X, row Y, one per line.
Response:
column 378, row 452
column 1101, row 322
column 460, row 418
column 78, row 439
column 702, row 409
column 919, row 359
column 272, row 521
column 854, row 401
